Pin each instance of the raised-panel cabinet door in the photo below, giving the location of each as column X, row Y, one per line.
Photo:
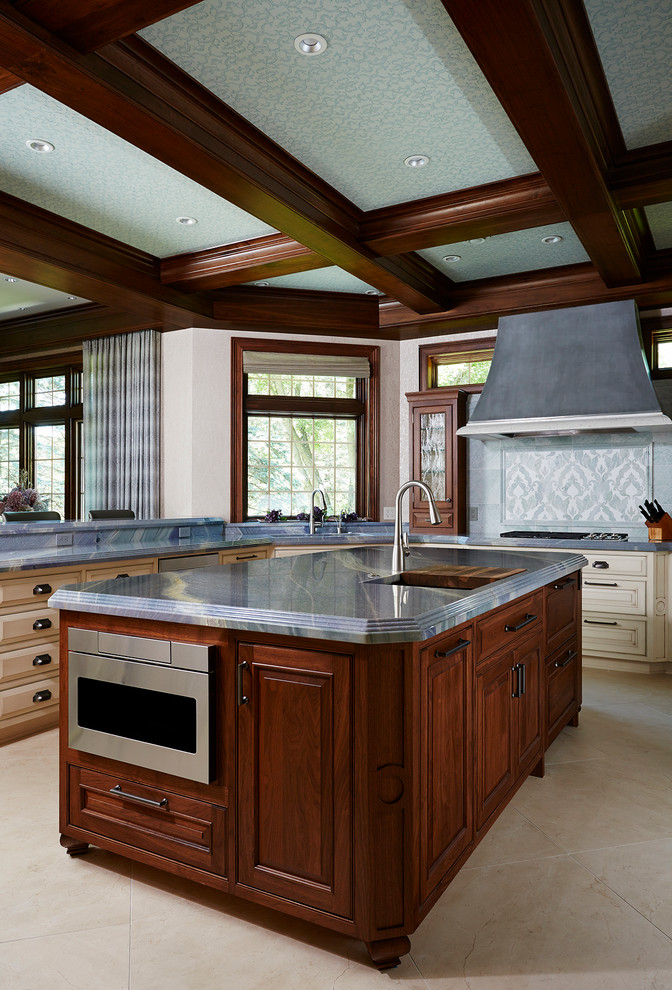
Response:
column 294, row 775
column 495, row 772
column 447, row 756
column 526, row 706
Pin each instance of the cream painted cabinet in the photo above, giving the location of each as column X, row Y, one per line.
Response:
column 29, row 650
column 624, row 619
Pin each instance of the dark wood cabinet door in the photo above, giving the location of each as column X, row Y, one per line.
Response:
column 447, row 756
column 526, row 707
column 561, row 611
column 495, row 773
column 438, row 458
column 294, row 775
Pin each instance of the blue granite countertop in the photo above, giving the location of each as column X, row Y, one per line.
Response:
column 337, row 595
column 29, row 546
column 286, row 534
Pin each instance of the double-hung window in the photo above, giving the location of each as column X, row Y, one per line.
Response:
column 40, row 433
column 305, row 417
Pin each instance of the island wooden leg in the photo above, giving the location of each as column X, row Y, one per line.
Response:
column 74, row 847
column 385, row 952
column 574, row 720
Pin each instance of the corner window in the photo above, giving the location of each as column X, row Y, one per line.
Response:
column 304, row 420
column 40, row 432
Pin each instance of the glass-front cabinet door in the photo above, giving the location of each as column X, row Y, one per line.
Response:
column 438, row 458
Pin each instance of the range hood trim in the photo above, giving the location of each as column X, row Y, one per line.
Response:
column 505, row 429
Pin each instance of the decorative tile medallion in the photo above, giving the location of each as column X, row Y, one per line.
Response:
column 572, row 485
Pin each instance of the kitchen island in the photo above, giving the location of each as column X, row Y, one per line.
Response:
column 364, row 730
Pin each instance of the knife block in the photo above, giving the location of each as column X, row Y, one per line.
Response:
column 661, row 530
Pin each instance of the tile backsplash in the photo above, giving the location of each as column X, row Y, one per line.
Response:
column 587, row 482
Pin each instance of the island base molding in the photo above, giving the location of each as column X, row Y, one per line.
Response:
column 351, row 782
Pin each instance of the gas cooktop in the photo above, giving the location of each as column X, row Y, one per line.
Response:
column 537, row 534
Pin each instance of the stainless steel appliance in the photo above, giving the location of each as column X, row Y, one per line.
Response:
column 147, row 702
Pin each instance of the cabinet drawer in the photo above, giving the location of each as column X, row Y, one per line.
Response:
column 37, row 696
column 34, row 587
column 420, row 522
column 614, row 595
column 505, row 627
column 244, row 553
column 610, row 562
column 121, row 569
column 179, row 828
column 607, row 636
column 562, row 683
column 30, row 625
column 41, row 657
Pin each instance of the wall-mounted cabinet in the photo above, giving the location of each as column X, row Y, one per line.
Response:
column 438, row 457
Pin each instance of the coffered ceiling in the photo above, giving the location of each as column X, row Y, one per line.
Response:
column 544, row 126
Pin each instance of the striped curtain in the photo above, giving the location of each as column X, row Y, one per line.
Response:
column 121, row 397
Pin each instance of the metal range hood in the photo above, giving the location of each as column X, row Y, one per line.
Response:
column 567, row 371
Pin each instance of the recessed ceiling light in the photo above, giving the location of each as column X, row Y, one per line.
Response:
column 478, row 240
column 450, row 258
column 8, row 278
column 262, row 285
column 552, row 239
column 416, row 161
column 37, row 144
column 71, row 298
column 186, row 221
column 373, row 292
column 310, row 44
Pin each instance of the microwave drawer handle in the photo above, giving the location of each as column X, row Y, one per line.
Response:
column 526, row 621
column 117, row 791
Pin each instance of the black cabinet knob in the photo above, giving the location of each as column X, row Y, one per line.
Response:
column 41, row 660
column 42, row 624
column 42, row 696
column 42, row 589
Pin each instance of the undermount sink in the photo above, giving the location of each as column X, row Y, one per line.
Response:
column 460, row 576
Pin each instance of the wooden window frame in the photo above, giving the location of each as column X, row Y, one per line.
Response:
column 430, row 355
column 656, row 329
column 365, row 408
column 28, row 415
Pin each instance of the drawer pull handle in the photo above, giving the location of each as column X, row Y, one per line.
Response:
column 42, row 624
column 526, row 621
column 601, row 564
column 563, row 584
column 122, row 575
column 602, row 584
column 247, row 556
column 596, row 622
column 117, row 791
column 41, row 660
column 42, row 589
column 241, row 698
column 41, row 696
column 568, row 659
column 461, row 643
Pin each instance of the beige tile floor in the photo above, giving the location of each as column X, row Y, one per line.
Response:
column 571, row 890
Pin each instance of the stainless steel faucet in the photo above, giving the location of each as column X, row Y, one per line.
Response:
column 316, row 491
column 400, row 547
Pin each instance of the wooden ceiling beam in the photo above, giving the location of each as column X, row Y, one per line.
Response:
column 526, row 51
column 133, row 91
column 89, row 24
column 46, row 249
column 8, row 81
column 347, row 314
column 643, row 176
column 66, row 328
column 245, row 261
column 481, row 211
column 480, row 302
